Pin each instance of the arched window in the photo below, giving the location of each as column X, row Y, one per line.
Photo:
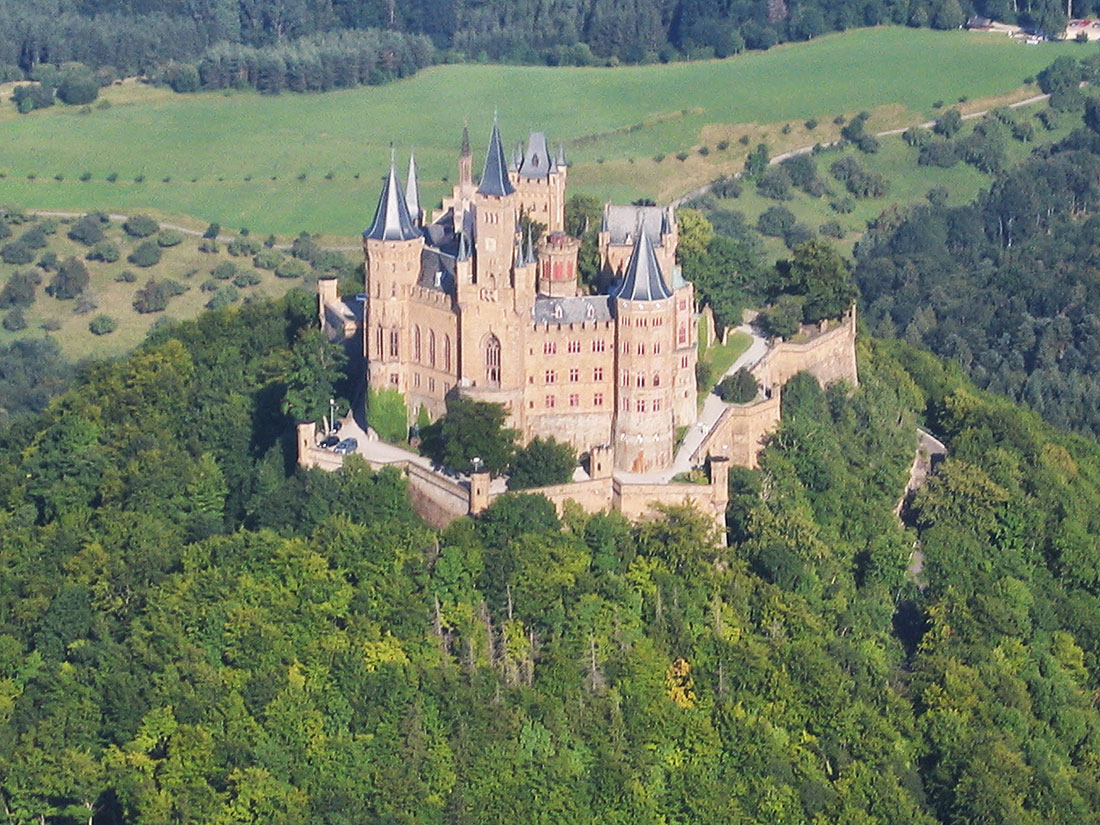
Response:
column 394, row 339
column 641, row 379
column 492, row 361
column 431, row 348
column 447, row 352
column 416, row 344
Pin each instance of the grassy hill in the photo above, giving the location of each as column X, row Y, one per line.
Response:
column 112, row 293
column 293, row 162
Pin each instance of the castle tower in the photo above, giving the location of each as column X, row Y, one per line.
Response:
column 558, row 265
column 540, row 180
column 393, row 246
column 465, row 163
column 646, row 364
column 495, row 217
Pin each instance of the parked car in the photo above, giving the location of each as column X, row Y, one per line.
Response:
column 348, row 445
column 329, row 441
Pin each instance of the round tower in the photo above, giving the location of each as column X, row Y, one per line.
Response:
column 558, row 265
column 644, row 433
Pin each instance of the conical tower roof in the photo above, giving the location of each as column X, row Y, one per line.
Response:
column 643, row 280
column 392, row 221
column 412, row 192
column 494, row 181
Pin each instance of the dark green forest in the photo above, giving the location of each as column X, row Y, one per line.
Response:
column 142, row 36
column 193, row 630
column 1005, row 285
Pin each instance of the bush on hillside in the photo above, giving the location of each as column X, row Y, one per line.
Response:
column 105, row 251
column 147, row 254
column 140, row 226
column 267, row 259
column 19, row 290
column 88, row 230
column 739, row 388
column 70, row 280
column 169, row 237
column 16, row 253
column 102, row 325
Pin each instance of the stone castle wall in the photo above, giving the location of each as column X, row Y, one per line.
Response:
column 741, row 430
column 829, row 356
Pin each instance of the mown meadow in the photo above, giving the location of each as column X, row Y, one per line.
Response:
column 312, row 162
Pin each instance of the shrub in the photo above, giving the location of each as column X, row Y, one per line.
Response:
column 239, row 247
column 832, row 229
column 140, row 226
column 14, row 320
column 940, row 153
column 111, row 178
column 70, row 280
column 153, row 297
column 949, row 124
column 169, row 237
column 51, row 324
column 182, row 78
column 844, row 168
column 267, row 259
column 224, row 270
column 48, row 261
column 246, row 279
column 223, row 297
column 290, row 268
column 723, row 145
column 126, row 276
column 212, row 231
column 728, row 187
column 147, row 254
column 810, row 124
column 916, row 136
column 704, row 150
column 102, row 325
column 78, row 86
column 869, row 144
column 35, row 238
column 85, row 177
column 799, row 233
column 1023, row 131
column 844, row 206
column 210, row 285
column 88, row 230
column 739, row 388
column 775, row 221
column 19, row 290
column 209, row 247
column 783, row 318
column 681, row 156
column 32, row 96
column 775, row 183
column 16, row 253
column 104, row 251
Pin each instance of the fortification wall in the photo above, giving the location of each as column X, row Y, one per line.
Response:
column 436, row 499
column 593, row 495
column 636, row 501
column 829, row 356
column 740, row 431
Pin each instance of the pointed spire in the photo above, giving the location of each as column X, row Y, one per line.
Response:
column 530, row 248
column 465, row 140
column 560, row 159
column 412, row 192
column 518, row 260
column 463, row 248
column 643, row 280
column 494, row 180
column 391, row 219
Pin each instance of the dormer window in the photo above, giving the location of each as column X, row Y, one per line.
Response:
column 557, row 311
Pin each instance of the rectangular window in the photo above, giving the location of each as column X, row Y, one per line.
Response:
column 657, row 348
column 640, row 406
column 551, row 376
column 626, row 348
column 597, row 399
column 575, row 374
column 549, row 402
column 656, row 405
column 393, row 379
column 626, row 405
column 431, row 385
column 574, row 401
column 641, row 349
column 549, row 348
column 598, row 346
column 684, row 363
column 597, row 374
column 574, row 347
column 683, row 304
column 416, row 380
column 626, row 378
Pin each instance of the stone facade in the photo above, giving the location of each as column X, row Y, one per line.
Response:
column 470, row 303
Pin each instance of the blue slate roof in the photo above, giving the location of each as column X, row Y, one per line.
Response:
column 494, row 181
column 392, row 221
column 643, row 280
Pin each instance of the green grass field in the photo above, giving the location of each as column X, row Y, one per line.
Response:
column 236, row 158
column 908, row 182
column 183, row 263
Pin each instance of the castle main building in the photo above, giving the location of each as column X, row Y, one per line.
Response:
column 468, row 303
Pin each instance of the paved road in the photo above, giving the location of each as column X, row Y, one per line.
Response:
column 713, row 407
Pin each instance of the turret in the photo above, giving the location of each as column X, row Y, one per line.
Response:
column 494, row 217
column 558, row 265
column 412, row 194
column 465, row 162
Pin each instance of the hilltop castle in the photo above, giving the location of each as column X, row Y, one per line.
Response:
column 469, row 302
